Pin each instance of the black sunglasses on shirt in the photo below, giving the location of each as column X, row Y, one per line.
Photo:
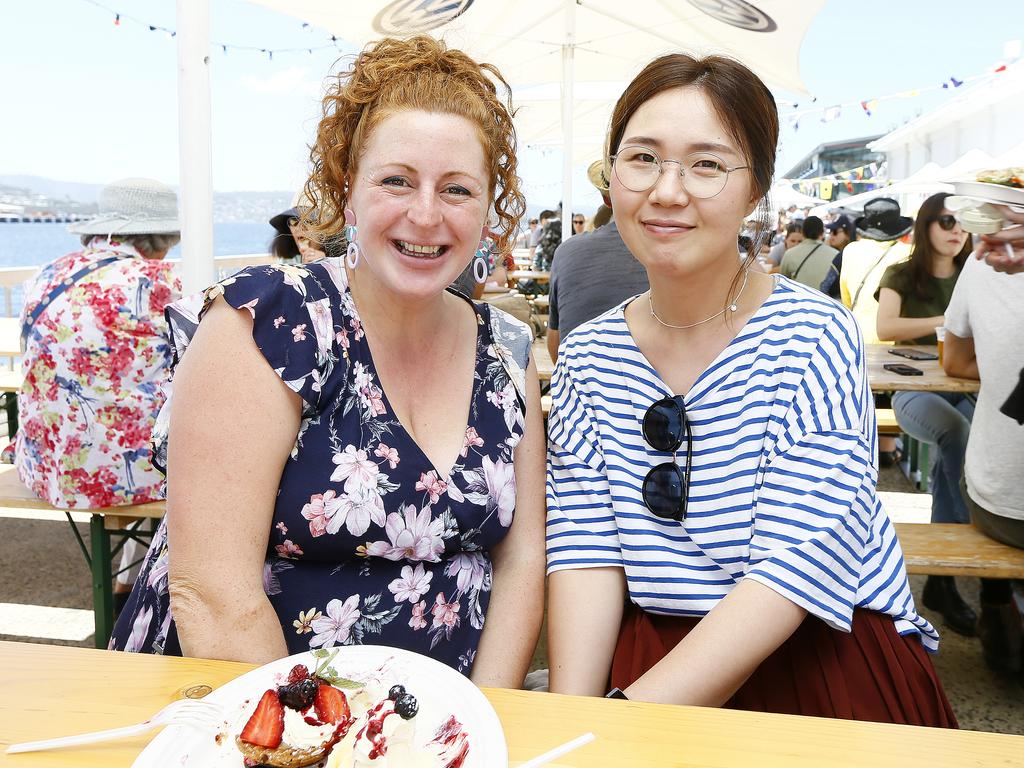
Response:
column 666, row 486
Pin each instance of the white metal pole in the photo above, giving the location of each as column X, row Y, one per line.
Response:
column 195, row 159
column 568, row 73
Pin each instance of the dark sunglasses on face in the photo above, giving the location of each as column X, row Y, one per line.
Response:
column 577, row 221
column 946, row 221
column 666, row 486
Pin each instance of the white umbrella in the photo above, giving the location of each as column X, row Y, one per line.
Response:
column 550, row 41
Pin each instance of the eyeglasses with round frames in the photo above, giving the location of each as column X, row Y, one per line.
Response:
column 946, row 221
column 703, row 174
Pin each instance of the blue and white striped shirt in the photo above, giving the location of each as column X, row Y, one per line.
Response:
column 783, row 469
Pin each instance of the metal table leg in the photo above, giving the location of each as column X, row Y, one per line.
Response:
column 102, row 581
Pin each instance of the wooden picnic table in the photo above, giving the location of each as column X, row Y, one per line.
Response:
column 932, row 379
column 104, row 524
column 545, row 367
column 54, row 690
column 530, row 274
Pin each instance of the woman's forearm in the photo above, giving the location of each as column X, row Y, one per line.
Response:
column 513, row 622
column 907, row 328
column 710, row 664
column 242, row 629
column 585, row 610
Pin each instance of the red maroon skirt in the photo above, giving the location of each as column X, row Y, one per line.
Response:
column 872, row 673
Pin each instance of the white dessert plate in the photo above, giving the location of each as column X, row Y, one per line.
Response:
column 992, row 193
column 439, row 689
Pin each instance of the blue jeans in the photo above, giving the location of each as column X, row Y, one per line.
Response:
column 942, row 419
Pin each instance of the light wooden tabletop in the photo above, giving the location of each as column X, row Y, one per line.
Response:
column 544, row 365
column 56, row 690
column 530, row 274
column 10, row 337
column 932, row 379
column 14, row 494
column 11, row 381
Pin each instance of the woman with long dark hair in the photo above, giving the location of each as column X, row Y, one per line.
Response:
column 912, row 299
column 713, row 528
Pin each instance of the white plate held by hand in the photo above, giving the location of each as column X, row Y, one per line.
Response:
column 439, row 689
column 990, row 193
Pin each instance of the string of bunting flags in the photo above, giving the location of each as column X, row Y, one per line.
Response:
column 269, row 52
column 834, row 111
column 865, row 177
column 828, row 113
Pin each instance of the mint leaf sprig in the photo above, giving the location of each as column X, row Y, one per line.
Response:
column 329, row 674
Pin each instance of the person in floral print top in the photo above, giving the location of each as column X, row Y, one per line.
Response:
column 369, row 467
column 97, row 356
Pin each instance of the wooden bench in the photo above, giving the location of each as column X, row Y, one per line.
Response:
column 949, row 549
column 946, row 549
column 886, row 419
column 103, row 525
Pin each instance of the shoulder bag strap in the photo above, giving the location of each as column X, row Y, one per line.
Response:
column 58, row 289
column 796, row 275
column 867, row 274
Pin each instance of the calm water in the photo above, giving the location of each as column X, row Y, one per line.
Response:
column 24, row 245
column 28, row 245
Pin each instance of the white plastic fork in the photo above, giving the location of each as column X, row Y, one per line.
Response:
column 201, row 714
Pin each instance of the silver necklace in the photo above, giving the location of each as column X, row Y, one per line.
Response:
column 731, row 308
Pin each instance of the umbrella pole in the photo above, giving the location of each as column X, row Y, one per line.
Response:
column 195, row 145
column 568, row 73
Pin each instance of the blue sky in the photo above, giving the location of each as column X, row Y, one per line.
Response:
column 90, row 101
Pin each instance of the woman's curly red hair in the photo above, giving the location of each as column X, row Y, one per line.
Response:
column 418, row 73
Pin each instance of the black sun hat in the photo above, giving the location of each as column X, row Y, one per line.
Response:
column 882, row 220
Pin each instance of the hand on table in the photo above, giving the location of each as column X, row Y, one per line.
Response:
column 1004, row 251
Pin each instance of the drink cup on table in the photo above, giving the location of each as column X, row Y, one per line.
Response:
column 940, row 335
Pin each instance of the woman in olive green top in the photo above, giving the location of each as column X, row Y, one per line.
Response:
column 912, row 299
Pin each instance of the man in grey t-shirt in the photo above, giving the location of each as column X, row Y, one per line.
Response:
column 590, row 274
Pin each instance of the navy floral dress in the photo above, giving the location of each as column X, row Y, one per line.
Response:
column 369, row 542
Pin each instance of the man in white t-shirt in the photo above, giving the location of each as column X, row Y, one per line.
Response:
column 985, row 341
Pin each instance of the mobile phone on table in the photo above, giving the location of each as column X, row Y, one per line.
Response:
column 903, row 370
column 913, row 354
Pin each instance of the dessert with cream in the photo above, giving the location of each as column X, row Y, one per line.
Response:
column 322, row 719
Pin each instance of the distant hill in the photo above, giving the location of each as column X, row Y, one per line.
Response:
column 227, row 206
column 53, row 189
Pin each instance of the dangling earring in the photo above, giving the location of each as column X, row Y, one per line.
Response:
column 352, row 254
column 480, row 263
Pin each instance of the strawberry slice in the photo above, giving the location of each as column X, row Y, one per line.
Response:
column 330, row 704
column 266, row 725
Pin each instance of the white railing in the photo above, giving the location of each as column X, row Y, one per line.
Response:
column 12, row 278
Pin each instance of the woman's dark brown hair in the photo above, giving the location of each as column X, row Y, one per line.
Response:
column 419, row 73
column 917, row 270
column 741, row 101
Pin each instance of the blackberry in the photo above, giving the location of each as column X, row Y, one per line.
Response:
column 406, row 706
column 298, row 696
column 396, row 691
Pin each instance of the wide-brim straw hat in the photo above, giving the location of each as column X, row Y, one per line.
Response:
column 133, row 207
column 597, row 176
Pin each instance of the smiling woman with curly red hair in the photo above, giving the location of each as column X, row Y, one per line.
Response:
column 358, row 456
